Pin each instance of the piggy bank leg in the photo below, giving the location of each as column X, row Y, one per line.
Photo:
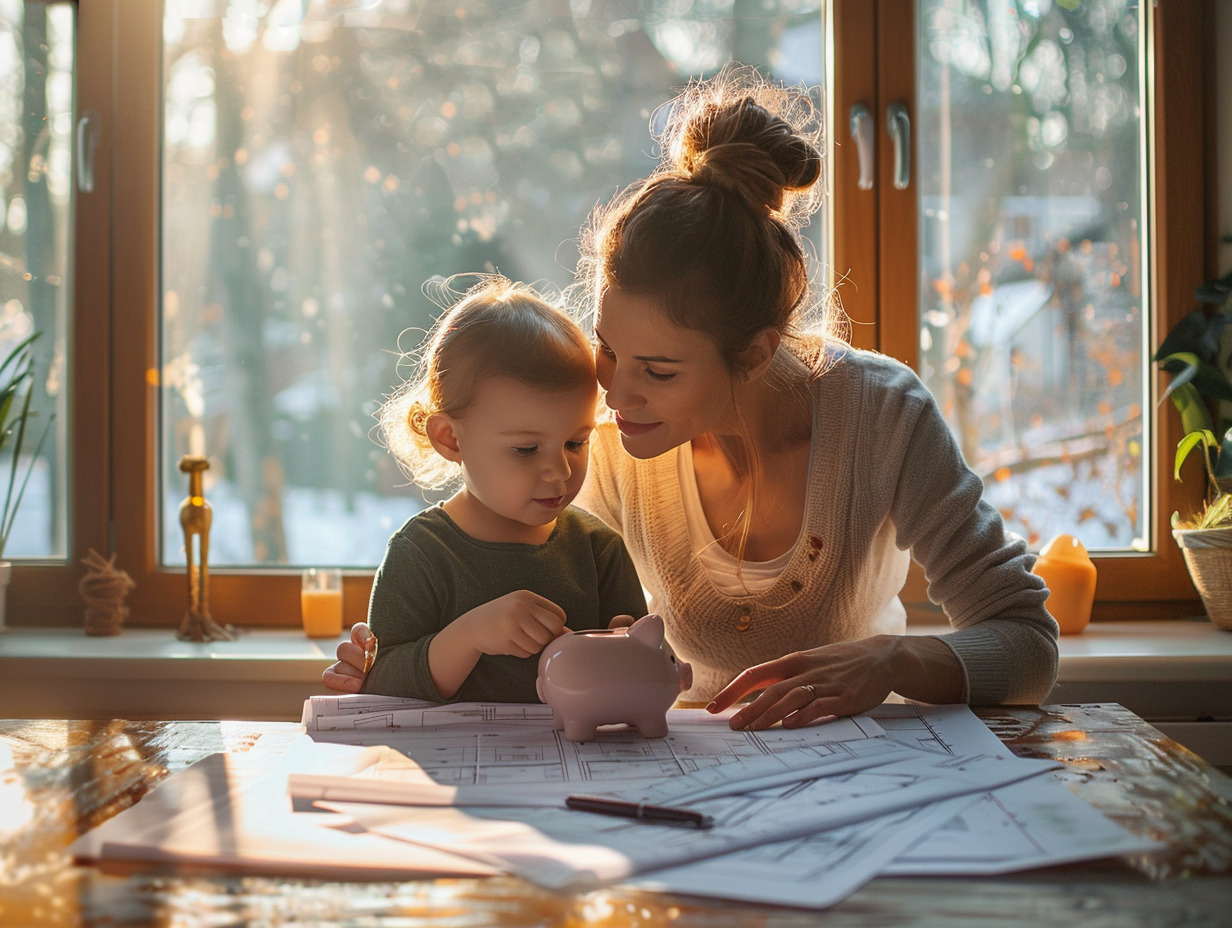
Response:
column 580, row 730
column 652, row 728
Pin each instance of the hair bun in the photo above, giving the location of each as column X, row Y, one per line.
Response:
column 741, row 146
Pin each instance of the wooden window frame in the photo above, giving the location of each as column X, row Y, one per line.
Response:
column 113, row 487
column 875, row 241
column 114, row 333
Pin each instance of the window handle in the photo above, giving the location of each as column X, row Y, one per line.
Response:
column 899, row 124
column 862, row 132
column 87, row 142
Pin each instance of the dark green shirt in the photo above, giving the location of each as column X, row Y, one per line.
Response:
column 434, row 572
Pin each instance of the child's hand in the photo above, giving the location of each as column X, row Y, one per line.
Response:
column 621, row 621
column 518, row 623
column 347, row 674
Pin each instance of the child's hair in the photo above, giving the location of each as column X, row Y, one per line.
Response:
column 498, row 329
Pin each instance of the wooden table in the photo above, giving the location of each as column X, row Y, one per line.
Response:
column 68, row 776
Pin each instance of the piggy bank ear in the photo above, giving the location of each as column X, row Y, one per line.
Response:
column 648, row 630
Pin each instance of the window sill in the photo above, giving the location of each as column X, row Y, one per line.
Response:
column 146, row 673
column 1166, row 672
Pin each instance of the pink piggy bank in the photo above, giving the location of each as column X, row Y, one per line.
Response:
column 607, row 676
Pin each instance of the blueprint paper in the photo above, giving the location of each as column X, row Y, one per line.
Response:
column 509, row 754
column 1031, row 824
column 953, row 730
column 232, row 811
column 563, row 849
column 340, row 717
column 815, row 871
column 317, row 709
column 361, row 719
column 1035, row 823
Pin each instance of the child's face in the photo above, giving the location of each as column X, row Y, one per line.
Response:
column 524, row 450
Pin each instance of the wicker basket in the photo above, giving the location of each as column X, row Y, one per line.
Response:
column 1208, row 555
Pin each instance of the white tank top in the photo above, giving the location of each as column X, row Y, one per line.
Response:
column 719, row 564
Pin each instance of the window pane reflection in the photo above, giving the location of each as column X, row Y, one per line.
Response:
column 1033, row 281
column 36, row 195
column 322, row 160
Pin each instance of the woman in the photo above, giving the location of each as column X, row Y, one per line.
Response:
column 770, row 482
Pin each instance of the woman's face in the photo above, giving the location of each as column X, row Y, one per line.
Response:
column 666, row 384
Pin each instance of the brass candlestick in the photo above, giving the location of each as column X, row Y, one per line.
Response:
column 195, row 519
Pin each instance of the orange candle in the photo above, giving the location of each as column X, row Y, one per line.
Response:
column 1067, row 569
column 320, row 602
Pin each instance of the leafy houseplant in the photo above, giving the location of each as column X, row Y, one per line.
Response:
column 1191, row 354
column 16, row 381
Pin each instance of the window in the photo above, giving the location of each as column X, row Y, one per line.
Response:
column 1031, row 166
column 319, row 164
column 1042, row 210
column 36, row 200
column 272, row 184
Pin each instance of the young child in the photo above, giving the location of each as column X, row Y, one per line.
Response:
column 471, row 590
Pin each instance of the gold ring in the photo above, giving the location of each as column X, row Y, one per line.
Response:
column 812, row 690
column 370, row 655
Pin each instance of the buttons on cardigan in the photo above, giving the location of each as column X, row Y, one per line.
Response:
column 815, row 546
column 744, row 619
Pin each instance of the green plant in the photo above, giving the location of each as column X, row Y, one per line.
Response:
column 1191, row 354
column 16, row 381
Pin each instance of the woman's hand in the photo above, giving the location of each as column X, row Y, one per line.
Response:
column 347, row 674
column 842, row 679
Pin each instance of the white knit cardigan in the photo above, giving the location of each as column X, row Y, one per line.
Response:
column 886, row 483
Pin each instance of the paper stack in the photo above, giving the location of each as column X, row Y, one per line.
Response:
column 800, row 817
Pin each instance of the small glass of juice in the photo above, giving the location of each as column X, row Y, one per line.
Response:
column 320, row 601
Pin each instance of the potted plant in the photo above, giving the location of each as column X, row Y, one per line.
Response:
column 16, row 381
column 1191, row 353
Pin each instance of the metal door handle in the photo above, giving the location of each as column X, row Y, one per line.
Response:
column 899, row 124
column 862, row 132
column 87, row 142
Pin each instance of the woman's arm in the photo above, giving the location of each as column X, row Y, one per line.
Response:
column 1004, row 646
column 978, row 573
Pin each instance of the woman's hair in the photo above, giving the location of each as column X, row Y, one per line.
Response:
column 497, row 329
column 713, row 235
column 713, row 232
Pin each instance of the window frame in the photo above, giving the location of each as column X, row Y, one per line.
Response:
column 113, row 501
column 113, row 496
column 875, row 236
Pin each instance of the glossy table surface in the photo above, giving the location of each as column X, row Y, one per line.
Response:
column 60, row 778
